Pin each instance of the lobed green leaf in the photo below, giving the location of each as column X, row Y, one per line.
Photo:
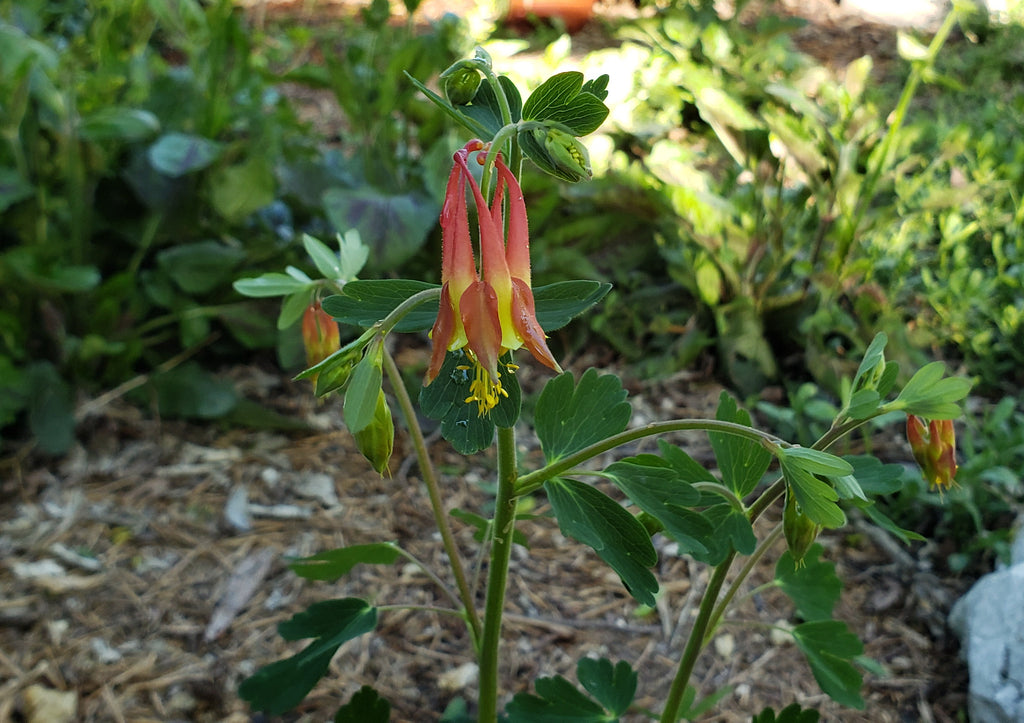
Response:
column 657, row 488
column 741, row 461
column 570, row 417
column 815, row 461
column 591, row 517
column 614, row 687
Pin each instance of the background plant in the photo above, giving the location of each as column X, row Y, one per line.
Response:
column 140, row 172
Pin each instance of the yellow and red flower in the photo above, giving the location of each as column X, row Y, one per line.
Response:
column 490, row 311
column 934, row 449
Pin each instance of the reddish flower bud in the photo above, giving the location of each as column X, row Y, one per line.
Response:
column 934, row 449
column 319, row 334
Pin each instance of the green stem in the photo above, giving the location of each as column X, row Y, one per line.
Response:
column 497, row 576
column 398, row 313
column 720, row 489
column 695, row 643
column 499, row 93
column 766, row 498
column 434, row 577
column 434, row 492
column 534, row 480
column 734, row 586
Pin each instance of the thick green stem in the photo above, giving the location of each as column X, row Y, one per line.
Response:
column 534, row 480
column 695, row 643
column 434, row 492
column 497, row 576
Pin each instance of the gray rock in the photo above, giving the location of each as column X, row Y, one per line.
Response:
column 990, row 623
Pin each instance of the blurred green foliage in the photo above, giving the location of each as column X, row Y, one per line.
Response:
column 751, row 203
column 147, row 156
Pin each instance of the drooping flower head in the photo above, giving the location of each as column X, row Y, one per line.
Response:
column 491, row 310
column 934, row 449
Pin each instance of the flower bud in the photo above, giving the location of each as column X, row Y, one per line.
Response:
column 934, row 450
column 799, row 529
column 569, row 156
column 460, row 87
column 319, row 334
column 377, row 440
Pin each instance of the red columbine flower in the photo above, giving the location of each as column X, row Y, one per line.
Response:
column 934, row 450
column 319, row 334
column 493, row 314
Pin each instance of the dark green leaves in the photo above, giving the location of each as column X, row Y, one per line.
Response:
column 333, row 564
column 202, row 266
column 557, row 701
column 366, row 706
column 559, row 303
column 591, row 517
column 790, row 714
column 282, row 685
column 658, row 489
column 741, row 461
column 570, row 417
column 364, row 303
column 462, row 425
column 829, row 646
column 613, row 686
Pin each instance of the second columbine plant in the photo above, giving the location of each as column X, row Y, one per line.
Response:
column 483, row 312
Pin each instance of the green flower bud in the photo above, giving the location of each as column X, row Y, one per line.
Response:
column 799, row 529
column 377, row 440
column 461, row 86
column 566, row 152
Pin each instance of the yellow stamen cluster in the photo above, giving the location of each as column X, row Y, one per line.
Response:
column 484, row 390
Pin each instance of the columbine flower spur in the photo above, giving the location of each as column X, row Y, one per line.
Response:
column 489, row 312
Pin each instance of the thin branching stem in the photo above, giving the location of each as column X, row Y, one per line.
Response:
column 430, row 480
column 535, row 480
